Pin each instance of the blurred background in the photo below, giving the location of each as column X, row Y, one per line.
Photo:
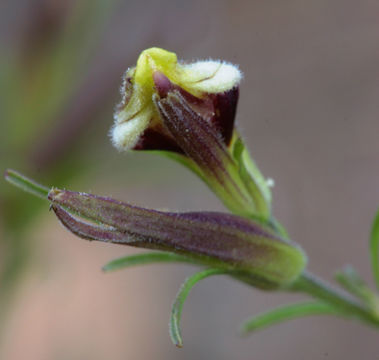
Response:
column 308, row 111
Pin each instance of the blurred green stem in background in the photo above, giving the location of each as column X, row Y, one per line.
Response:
column 37, row 84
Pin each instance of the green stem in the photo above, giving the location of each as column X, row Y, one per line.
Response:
column 26, row 184
column 321, row 290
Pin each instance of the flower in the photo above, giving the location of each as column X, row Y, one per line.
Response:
column 187, row 112
column 210, row 87
column 248, row 250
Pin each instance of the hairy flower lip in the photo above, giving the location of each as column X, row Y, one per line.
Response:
column 217, row 239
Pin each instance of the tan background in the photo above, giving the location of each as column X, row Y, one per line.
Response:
column 309, row 112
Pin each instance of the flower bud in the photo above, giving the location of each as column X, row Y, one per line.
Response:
column 212, row 239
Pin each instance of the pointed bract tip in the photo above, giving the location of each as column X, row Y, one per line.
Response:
column 54, row 194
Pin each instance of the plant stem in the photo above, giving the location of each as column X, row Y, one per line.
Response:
column 348, row 306
column 26, row 184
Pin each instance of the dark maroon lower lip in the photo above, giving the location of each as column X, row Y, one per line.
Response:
column 153, row 139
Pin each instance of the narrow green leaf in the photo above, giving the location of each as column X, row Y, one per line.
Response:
column 351, row 281
column 285, row 313
column 181, row 296
column 26, row 184
column 374, row 248
column 143, row 259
